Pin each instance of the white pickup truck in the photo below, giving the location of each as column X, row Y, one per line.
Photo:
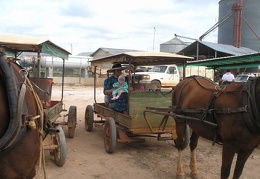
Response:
column 162, row 75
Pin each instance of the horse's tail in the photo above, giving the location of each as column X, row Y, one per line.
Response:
column 12, row 103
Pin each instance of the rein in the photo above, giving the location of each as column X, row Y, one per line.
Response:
column 41, row 130
column 210, row 109
column 252, row 118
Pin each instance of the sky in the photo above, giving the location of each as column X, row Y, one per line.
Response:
column 86, row 25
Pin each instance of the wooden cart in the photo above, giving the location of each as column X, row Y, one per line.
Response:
column 54, row 138
column 131, row 127
column 54, row 135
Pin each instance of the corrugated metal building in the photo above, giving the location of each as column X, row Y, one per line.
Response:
column 173, row 46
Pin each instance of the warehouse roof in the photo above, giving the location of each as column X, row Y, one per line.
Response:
column 208, row 50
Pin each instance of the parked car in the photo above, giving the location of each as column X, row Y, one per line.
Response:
column 142, row 69
column 161, row 75
column 243, row 77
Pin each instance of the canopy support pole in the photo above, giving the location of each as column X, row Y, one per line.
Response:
column 39, row 64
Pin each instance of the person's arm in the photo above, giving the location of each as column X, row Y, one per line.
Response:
column 233, row 78
column 223, row 77
column 107, row 87
column 108, row 92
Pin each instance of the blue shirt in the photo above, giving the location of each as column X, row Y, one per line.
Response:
column 121, row 103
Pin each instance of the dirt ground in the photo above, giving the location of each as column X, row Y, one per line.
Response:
column 87, row 158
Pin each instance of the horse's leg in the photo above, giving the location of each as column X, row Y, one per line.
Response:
column 242, row 157
column 180, row 144
column 227, row 157
column 193, row 144
column 180, row 170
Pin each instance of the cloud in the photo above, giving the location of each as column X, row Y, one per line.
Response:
column 129, row 24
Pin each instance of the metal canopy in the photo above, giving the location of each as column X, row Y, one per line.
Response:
column 242, row 61
column 145, row 59
column 16, row 44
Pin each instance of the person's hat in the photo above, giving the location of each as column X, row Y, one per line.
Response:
column 228, row 70
column 116, row 66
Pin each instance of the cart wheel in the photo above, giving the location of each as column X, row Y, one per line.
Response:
column 60, row 152
column 72, row 121
column 186, row 138
column 110, row 135
column 89, row 118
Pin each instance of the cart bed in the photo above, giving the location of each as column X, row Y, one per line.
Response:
column 135, row 121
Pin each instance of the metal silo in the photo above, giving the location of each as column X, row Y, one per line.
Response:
column 250, row 23
column 173, row 46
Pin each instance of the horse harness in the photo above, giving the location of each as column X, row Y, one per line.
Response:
column 248, row 108
column 23, row 120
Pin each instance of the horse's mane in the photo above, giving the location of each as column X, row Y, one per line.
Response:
column 204, row 77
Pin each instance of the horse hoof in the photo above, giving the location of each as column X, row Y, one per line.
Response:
column 180, row 176
column 194, row 175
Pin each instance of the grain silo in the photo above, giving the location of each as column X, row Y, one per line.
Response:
column 173, row 46
column 236, row 11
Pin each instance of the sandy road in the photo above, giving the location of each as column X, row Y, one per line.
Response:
column 86, row 156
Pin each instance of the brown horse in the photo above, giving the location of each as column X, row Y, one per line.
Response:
column 228, row 116
column 19, row 136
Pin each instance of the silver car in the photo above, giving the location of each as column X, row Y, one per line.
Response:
column 243, row 77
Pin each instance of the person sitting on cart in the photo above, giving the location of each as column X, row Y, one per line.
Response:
column 120, row 87
column 119, row 104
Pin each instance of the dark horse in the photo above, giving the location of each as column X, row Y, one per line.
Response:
column 227, row 115
column 19, row 121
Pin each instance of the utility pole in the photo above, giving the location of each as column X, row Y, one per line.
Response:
column 71, row 49
column 153, row 37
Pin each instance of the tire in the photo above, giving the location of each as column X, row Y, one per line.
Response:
column 186, row 139
column 158, row 83
column 72, row 121
column 59, row 153
column 89, row 118
column 110, row 135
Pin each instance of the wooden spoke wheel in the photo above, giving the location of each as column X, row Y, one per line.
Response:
column 72, row 121
column 110, row 135
column 89, row 118
column 60, row 152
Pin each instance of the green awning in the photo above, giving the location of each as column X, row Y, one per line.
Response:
column 16, row 44
column 243, row 61
column 54, row 51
